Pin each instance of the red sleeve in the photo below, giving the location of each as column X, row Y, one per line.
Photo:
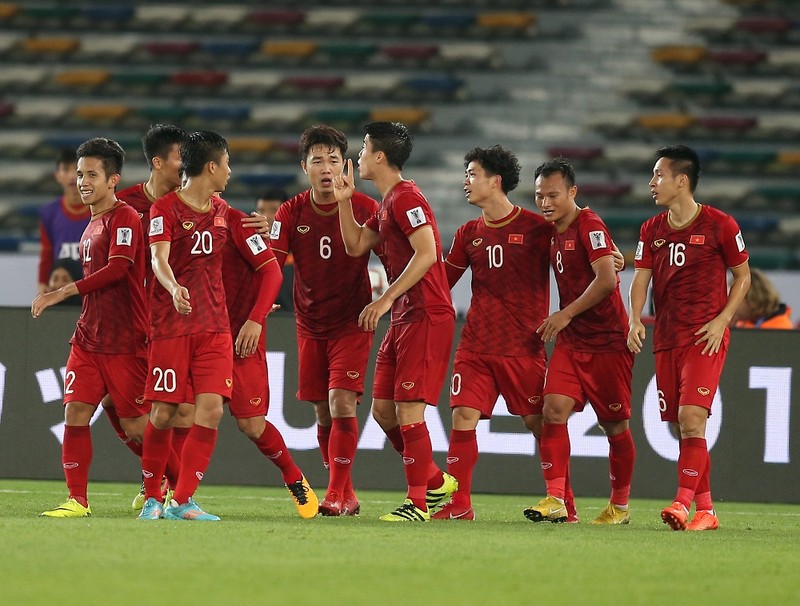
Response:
column 45, row 256
column 113, row 272
column 271, row 278
column 643, row 259
column 280, row 233
column 456, row 262
column 411, row 211
column 595, row 238
column 160, row 223
column 733, row 247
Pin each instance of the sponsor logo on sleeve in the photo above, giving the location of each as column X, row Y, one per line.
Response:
column 156, row 226
column 515, row 238
column 697, row 239
column 639, row 251
column 740, row 242
column 256, row 244
column 598, row 239
column 416, row 216
column 124, row 236
column 275, row 232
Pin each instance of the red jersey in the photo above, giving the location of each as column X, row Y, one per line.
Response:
column 331, row 288
column 603, row 327
column 510, row 282
column 244, row 254
column 403, row 211
column 196, row 243
column 137, row 197
column 113, row 319
column 689, row 267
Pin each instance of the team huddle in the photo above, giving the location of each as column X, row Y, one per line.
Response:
column 171, row 331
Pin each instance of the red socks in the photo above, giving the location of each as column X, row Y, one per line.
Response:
column 272, row 445
column 692, row 463
column 113, row 418
column 702, row 497
column 417, row 458
column 194, row 461
column 554, row 452
column 621, row 456
column 461, row 459
column 156, row 451
column 342, row 453
column 76, row 458
column 395, row 436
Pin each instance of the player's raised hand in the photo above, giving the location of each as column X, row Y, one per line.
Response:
column 636, row 336
column 180, row 299
column 344, row 184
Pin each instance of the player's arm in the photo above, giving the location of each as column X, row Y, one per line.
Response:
column 45, row 259
column 636, row 300
column 714, row 331
column 619, row 258
column 270, row 277
column 48, row 299
column 603, row 284
column 165, row 276
column 358, row 239
column 454, row 273
column 423, row 243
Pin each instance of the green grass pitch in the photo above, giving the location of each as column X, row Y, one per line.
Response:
column 262, row 553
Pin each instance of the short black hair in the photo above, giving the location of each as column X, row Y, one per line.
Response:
column 496, row 160
column 684, row 161
column 200, row 148
column 158, row 141
column 559, row 166
column 393, row 139
column 66, row 155
column 108, row 151
column 71, row 266
column 322, row 134
column 274, row 194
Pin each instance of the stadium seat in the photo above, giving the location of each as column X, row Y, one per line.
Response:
column 292, row 49
column 785, row 60
column 249, row 149
column 226, row 17
column 383, row 23
column 161, row 17
column 788, row 157
column 410, row 53
column 743, row 59
column 234, row 49
column 58, row 13
column 277, row 117
column 506, row 21
column 710, row 89
column 448, row 23
column 199, row 79
column 576, row 153
column 136, row 82
column 679, row 55
column 347, row 53
column 83, row 78
column 372, row 85
column 275, row 18
column 769, row 25
column 22, row 77
column 8, row 11
column 671, row 122
column 54, row 46
column 41, row 111
column 724, row 126
column 170, row 114
column 107, row 47
column 166, row 50
column 104, row 13
column 6, row 109
column 605, row 191
column 341, row 118
column 469, row 54
column 433, row 86
column 261, row 181
column 252, row 83
column 105, row 113
column 224, row 113
column 313, row 84
column 410, row 116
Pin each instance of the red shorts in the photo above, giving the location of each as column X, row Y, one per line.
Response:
column 325, row 364
column 413, row 359
column 250, row 393
column 478, row 379
column 604, row 379
column 184, row 366
column 685, row 376
column 90, row 376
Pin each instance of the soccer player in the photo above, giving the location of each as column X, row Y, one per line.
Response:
column 269, row 202
column 330, row 290
column 190, row 356
column 252, row 279
column 108, row 347
column 590, row 360
column 62, row 221
column 414, row 354
column 499, row 353
column 687, row 251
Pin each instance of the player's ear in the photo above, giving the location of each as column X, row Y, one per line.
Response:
column 113, row 181
column 303, row 166
column 573, row 191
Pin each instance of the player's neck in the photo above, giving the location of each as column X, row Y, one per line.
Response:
column 322, row 198
column 196, row 195
column 497, row 209
column 387, row 181
column 103, row 206
column 683, row 212
column 563, row 223
column 156, row 187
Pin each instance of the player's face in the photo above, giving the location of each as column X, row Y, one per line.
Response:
column 93, row 184
column 222, row 174
column 170, row 167
column 554, row 198
column 366, row 159
column 478, row 184
column 664, row 185
column 66, row 176
column 322, row 165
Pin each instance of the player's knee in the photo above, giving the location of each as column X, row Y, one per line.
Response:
column 252, row 427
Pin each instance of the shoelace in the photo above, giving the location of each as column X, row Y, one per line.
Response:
column 298, row 491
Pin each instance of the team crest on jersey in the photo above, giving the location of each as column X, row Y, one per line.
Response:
column 615, row 406
column 229, row 382
column 658, row 243
column 477, row 242
column 695, row 239
column 534, row 399
column 569, row 245
column 255, row 401
column 187, row 225
column 353, row 374
column 740, row 242
column 156, row 226
column 256, row 244
column 703, row 391
column 303, row 229
column 515, row 238
column 598, row 239
column 140, row 400
column 407, row 385
column 416, row 216
column 124, row 236
column 275, row 232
